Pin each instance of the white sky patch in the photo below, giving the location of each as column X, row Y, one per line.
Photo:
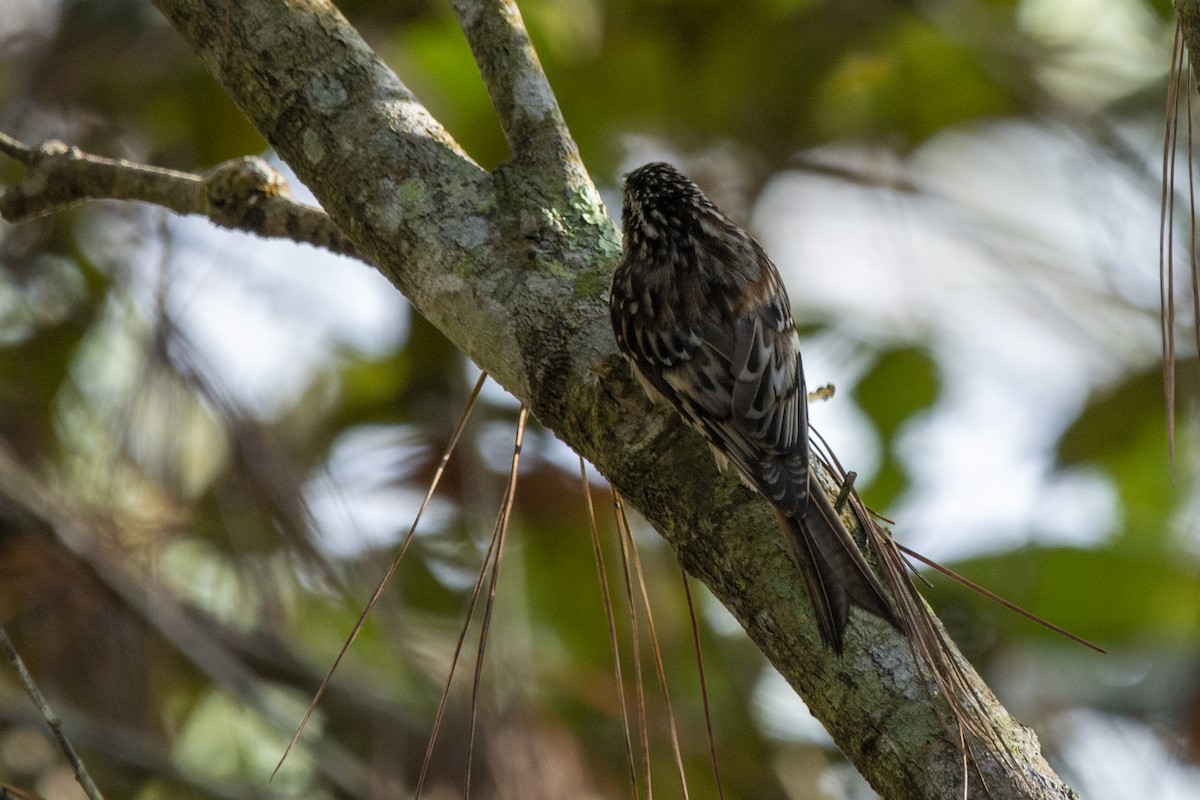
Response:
column 1117, row 50
column 492, row 393
column 982, row 461
column 1114, row 758
column 553, row 451
column 783, row 715
column 361, row 500
column 1023, row 327
column 270, row 315
column 28, row 20
column 718, row 617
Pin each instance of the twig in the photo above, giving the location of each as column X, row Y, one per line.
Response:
column 624, row 538
column 500, row 535
column 708, row 725
column 244, row 194
column 52, row 720
column 655, row 647
column 844, row 492
column 995, row 598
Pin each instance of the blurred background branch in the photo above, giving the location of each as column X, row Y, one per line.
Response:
column 49, row 717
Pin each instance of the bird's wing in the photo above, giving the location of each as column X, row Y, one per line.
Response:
column 744, row 387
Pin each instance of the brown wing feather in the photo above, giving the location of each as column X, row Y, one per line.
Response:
column 745, row 389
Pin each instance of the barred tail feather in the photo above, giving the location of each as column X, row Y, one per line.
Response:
column 835, row 572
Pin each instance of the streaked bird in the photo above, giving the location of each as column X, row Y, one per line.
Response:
column 701, row 313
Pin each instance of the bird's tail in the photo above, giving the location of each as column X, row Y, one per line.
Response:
column 834, row 570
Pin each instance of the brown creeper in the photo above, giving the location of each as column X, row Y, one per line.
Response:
column 701, row 313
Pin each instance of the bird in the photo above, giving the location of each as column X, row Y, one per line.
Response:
column 701, row 313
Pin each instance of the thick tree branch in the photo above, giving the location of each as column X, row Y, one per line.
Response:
column 514, row 269
column 1187, row 13
column 245, row 194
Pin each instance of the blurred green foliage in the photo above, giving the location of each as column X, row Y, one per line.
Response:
column 1124, row 431
column 901, row 385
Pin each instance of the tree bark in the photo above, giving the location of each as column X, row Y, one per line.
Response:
column 513, row 266
column 1187, row 14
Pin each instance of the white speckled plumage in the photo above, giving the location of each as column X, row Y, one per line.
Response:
column 701, row 313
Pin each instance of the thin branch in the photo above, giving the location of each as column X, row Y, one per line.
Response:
column 526, row 106
column 52, row 721
column 494, row 544
column 655, row 650
column 1166, row 240
column 623, row 538
column 995, row 598
column 501, row 536
column 1187, row 14
column 245, row 194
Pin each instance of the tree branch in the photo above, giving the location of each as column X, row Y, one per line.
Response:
column 1187, row 14
column 525, row 105
column 515, row 273
column 245, row 194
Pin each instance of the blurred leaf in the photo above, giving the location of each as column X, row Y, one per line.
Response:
column 433, row 58
column 1124, row 432
column 31, row 374
column 1114, row 421
column 1112, row 596
column 953, row 86
column 902, row 384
